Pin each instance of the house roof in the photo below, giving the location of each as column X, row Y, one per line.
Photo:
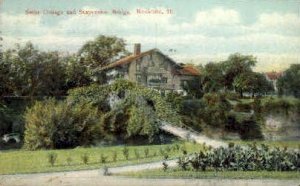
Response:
column 273, row 75
column 189, row 70
column 127, row 59
column 181, row 69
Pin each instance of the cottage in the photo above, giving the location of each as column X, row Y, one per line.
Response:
column 152, row 69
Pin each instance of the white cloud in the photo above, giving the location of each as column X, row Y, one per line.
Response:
column 217, row 16
column 211, row 35
column 288, row 23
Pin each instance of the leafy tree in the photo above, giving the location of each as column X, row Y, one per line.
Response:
column 235, row 65
column 252, row 82
column 101, row 51
column 213, row 78
column 289, row 83
column 76, row 72
column 30, row 72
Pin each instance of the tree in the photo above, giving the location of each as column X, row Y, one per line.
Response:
column 76, row 73
column 213, row 78
column 101, row 51
column 289, row 83
column 252, row 82
column 235, row 65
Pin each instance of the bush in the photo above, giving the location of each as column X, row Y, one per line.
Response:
column 125, row 153
column 85, row 158
column 58, row 124
column 146, row 152
column 52, row 158
column 165, row 166
column 236, row 158
column 103, row 158
column 115, row 156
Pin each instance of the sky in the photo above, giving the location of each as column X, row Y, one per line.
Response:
column 194, row 31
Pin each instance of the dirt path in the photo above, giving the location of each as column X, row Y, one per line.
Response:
column 191, row 135
column 95, row 177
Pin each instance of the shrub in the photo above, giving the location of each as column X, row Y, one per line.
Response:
column 252, row 158
column 69, row 160
column 114, row 156
column 166, row 156
column 58, row 124
column 85, row 158
column 103, row 158
column 52, row 158
column 146, row 152
column 165, row 166
column 125, row 153
column 183, row 162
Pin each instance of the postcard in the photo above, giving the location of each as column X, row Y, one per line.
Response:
column 140, row 92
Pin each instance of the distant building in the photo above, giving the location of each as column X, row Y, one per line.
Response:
column 152, row 69
column 273, row 77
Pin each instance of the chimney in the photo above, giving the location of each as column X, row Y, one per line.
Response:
column 137, row 49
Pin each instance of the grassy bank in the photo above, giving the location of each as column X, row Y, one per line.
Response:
column 176, row 173
column 21, row 161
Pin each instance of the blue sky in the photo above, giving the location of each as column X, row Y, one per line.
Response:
column 199, row 31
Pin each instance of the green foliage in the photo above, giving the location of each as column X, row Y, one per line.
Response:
column 102, row 50
column 234, row 66
column 136, row 114
column 146, row 152
column 114, row 156
column 85, row 158
column 125, row 153
column 236, row 158
column 252, row 82
column 289, row 83
column 52, row 158
column 213, row 78
column 165, row 166
column 279, row 105
column 54, row 124
column 103, row 158
column 215, row 112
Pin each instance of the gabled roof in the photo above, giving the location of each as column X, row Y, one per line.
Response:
column 180, row 69
column 127, row 59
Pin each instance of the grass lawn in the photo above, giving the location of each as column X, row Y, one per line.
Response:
column 176, row 173
column 21, row 161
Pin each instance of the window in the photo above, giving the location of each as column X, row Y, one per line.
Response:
column 164, row 80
